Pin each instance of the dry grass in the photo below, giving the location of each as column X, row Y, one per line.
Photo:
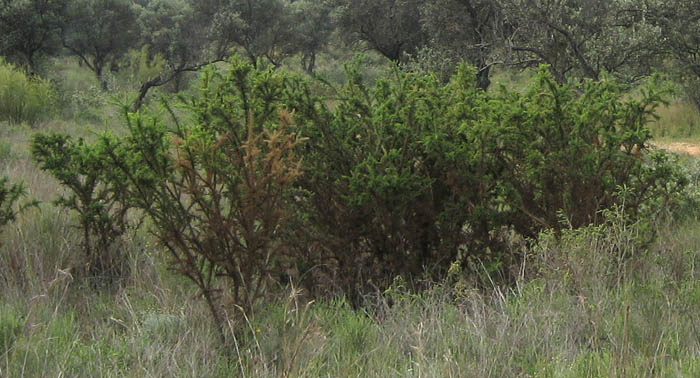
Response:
column 593, row 304
column 678, row 120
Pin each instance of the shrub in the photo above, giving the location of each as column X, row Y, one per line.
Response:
column 9, row 209
column 9, row 195
column 22, row 98
column 215, row 185
column 393, row 184
column 402, row 179
column 566, row 153
column 95, row 194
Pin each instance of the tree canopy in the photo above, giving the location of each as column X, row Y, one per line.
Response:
column 99, row 32
column 30, row 29
column 679, row 26
column 391, row 27
column 582, row 39
column 576, row 39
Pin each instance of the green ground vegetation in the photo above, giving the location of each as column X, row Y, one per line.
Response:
column 601, row 282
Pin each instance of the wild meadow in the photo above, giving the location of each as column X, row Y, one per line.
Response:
column 349, row 188
column 556, row 297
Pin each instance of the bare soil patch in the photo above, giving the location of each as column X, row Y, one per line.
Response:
column 689, row 148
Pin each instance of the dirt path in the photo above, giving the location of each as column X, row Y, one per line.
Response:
column 692, row 149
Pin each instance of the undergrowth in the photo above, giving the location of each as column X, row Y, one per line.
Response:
column 577, row 310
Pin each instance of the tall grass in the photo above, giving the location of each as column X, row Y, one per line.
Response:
column 24, row 99
column 81, row 98
column 593, row 302
column 581, row 312
column 677, row 120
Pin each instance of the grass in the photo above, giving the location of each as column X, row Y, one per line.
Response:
column 593, row 302
column 678, row 120
column 24, row 99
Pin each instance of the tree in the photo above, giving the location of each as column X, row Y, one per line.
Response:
column 30, row 29
column 99, row 32
column 391, row 27
column 313, row 26
column 191, row 34
column 679, row 23
column 582, row 38
column 264, row 29
column 187, row 34
column 463, row 30
column 171, row 31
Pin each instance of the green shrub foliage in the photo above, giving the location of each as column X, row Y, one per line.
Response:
column 96, row 194
column 9, row 194
column 24, row 99
column 214, row 184
column 411, row 175
column 257, row 178
column 395, row 183
column 566, row 153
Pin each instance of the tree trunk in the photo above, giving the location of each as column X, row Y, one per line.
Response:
column 483, row 79
column 143, row 91
column 98, row 72
column 308, row 62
